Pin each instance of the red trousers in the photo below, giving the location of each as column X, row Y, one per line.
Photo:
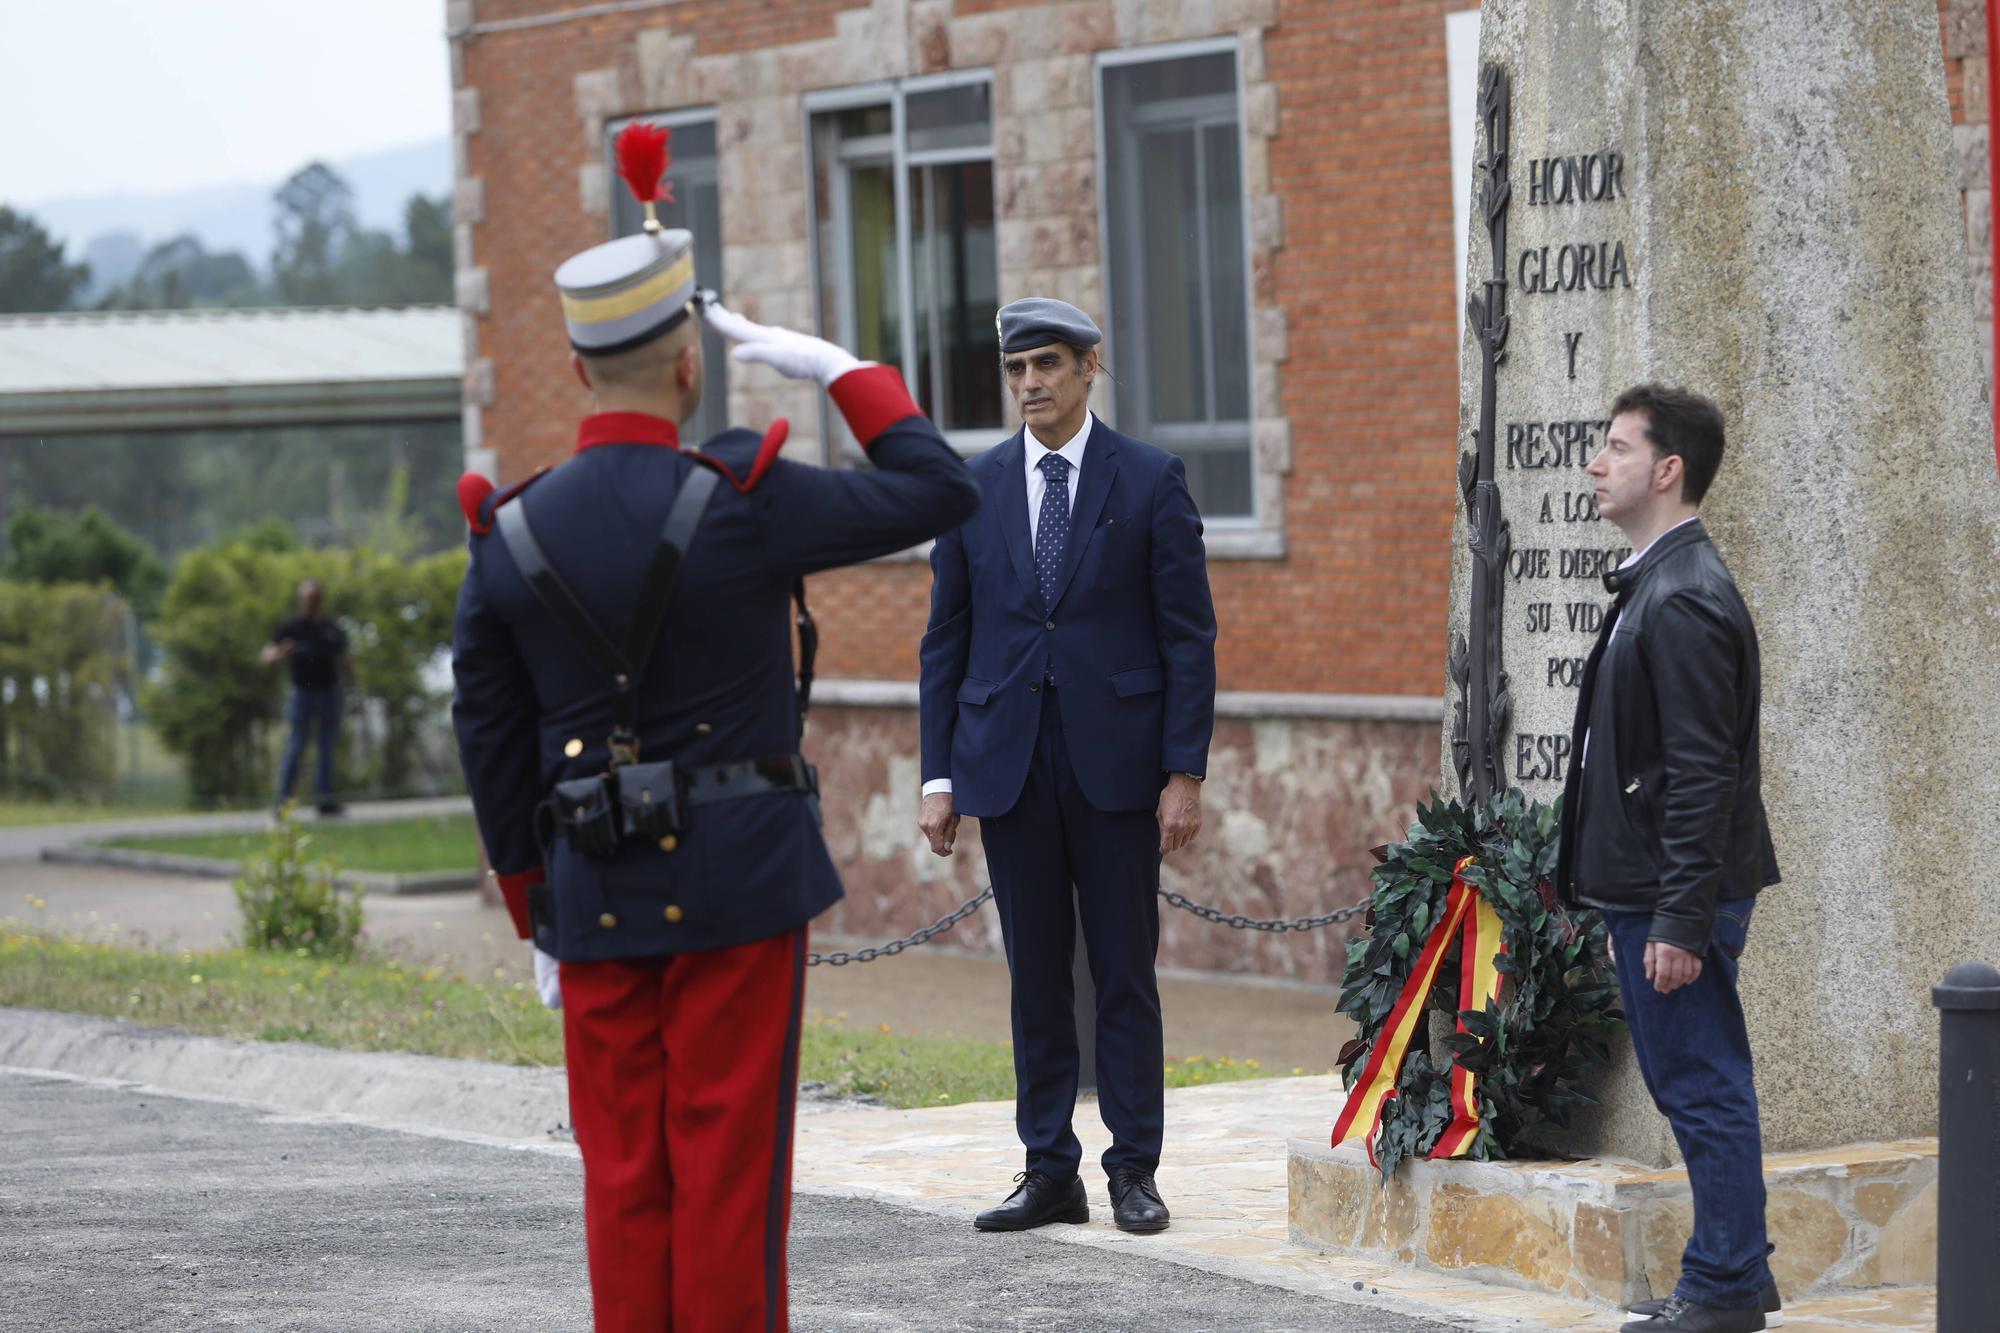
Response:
column 683, row 1079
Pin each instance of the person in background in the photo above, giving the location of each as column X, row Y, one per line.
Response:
column 316, row 649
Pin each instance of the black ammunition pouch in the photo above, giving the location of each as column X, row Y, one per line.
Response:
column 649, row 801
column 584, row 812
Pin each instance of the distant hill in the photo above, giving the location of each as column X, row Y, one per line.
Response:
column 238, row 217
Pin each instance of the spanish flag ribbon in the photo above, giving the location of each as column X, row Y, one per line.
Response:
column 1468, row 914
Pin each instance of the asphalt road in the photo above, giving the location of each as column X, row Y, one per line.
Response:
column 134, row 1210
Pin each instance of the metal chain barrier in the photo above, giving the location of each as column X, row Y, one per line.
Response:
column 840, row 958
column 1233, row 920
column 1237, row 921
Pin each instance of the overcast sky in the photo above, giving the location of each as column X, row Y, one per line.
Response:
column 152, row 96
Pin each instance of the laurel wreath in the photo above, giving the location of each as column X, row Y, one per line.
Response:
column 1558, row 1008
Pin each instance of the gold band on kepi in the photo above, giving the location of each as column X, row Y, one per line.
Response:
column 620, row 294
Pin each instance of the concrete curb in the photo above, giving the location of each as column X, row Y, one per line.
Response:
column 417, row 1092
column 210, row 867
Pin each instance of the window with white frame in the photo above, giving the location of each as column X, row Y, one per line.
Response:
column 1178, row 266
column 697, row 207
column 903, row 240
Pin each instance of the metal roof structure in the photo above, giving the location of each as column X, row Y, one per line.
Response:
column 72, row 374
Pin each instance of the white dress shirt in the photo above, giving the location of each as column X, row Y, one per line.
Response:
column 1038, row 484
column 1583, row 760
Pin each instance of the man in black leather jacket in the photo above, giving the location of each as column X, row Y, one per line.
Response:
column 1663, row 830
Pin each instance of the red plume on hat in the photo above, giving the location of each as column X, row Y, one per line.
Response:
column 643, row 158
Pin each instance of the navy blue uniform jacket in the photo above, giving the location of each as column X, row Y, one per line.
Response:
column 719, row 686
column 1130, row 640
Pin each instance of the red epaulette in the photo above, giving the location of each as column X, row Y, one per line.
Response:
column 478, row 498
column 767, row 454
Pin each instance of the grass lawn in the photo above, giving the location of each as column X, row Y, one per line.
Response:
column 397, row 846
column 372, row 1005
column 27, row 814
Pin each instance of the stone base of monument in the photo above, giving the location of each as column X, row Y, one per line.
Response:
column 1844, row 1218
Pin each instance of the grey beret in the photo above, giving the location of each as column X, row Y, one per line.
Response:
column 1036, row 321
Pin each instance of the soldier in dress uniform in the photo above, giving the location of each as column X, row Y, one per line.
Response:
column 629, row 724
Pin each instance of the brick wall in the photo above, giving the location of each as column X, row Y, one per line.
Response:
column 1347, row 163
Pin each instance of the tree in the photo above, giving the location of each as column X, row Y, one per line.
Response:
column 47, row 546
column 180, row 273
column 315, row 223
column 33, row 273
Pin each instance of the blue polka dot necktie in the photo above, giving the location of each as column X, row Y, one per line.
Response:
column 1052, row 526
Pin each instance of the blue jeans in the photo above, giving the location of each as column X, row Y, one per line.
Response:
column 314, row 713
column 1694, row 1054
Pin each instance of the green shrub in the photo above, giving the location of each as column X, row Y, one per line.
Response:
column 291, row 903
column 64, row 650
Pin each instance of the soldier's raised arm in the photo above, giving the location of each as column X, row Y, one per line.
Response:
column 918, row 489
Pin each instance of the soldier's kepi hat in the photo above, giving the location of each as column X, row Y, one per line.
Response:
column 1037, row 321
column 626, row 292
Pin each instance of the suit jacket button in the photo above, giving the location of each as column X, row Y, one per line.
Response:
column 668, row 843
column 607, row 921
column 573, row 747
column 1034, row 686
column 673, row 914
column 703, row 728
column 1048, row 624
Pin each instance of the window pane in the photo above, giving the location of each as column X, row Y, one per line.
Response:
column 1180, row 80
column 943, row 118
column 1173, row 336
column 956, row 283
column 1228, row 284
column 1173, row 180
column 697, row 207
column 875, row 292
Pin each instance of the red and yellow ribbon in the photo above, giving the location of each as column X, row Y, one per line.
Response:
column 1478, row 925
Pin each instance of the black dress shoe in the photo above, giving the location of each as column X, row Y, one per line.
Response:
column 1135, row 1201
column 1772, row 1307
column 1038, row 1200
column 1683, row 1316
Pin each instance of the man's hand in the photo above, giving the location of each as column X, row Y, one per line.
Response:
column 1670, row 967
column 798, row 356
column 939, row 822
column 548, row 982
column 276, row 652
column 1180, row 812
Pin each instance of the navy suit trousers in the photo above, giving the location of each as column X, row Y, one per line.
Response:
column 1055, row 858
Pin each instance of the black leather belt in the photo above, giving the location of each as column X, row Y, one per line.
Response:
column 748, row 777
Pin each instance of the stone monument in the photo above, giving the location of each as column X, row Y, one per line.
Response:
column 1755, row 201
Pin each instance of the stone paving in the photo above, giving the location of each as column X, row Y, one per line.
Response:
column 1224, row 1175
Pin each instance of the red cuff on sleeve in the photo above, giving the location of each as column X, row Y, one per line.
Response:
column 872, row 399
column 514, row 888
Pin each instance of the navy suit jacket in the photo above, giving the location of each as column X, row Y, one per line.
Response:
column 530, row 710
column 1130, row 639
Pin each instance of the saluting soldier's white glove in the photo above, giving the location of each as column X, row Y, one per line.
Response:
column 548, row 982
column 798, row 356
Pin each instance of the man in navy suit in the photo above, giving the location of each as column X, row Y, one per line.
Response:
column 1068, row 695
column 669, row 916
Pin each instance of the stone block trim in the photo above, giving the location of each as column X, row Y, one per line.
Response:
column 1848, row 1218
column 1293, row 804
